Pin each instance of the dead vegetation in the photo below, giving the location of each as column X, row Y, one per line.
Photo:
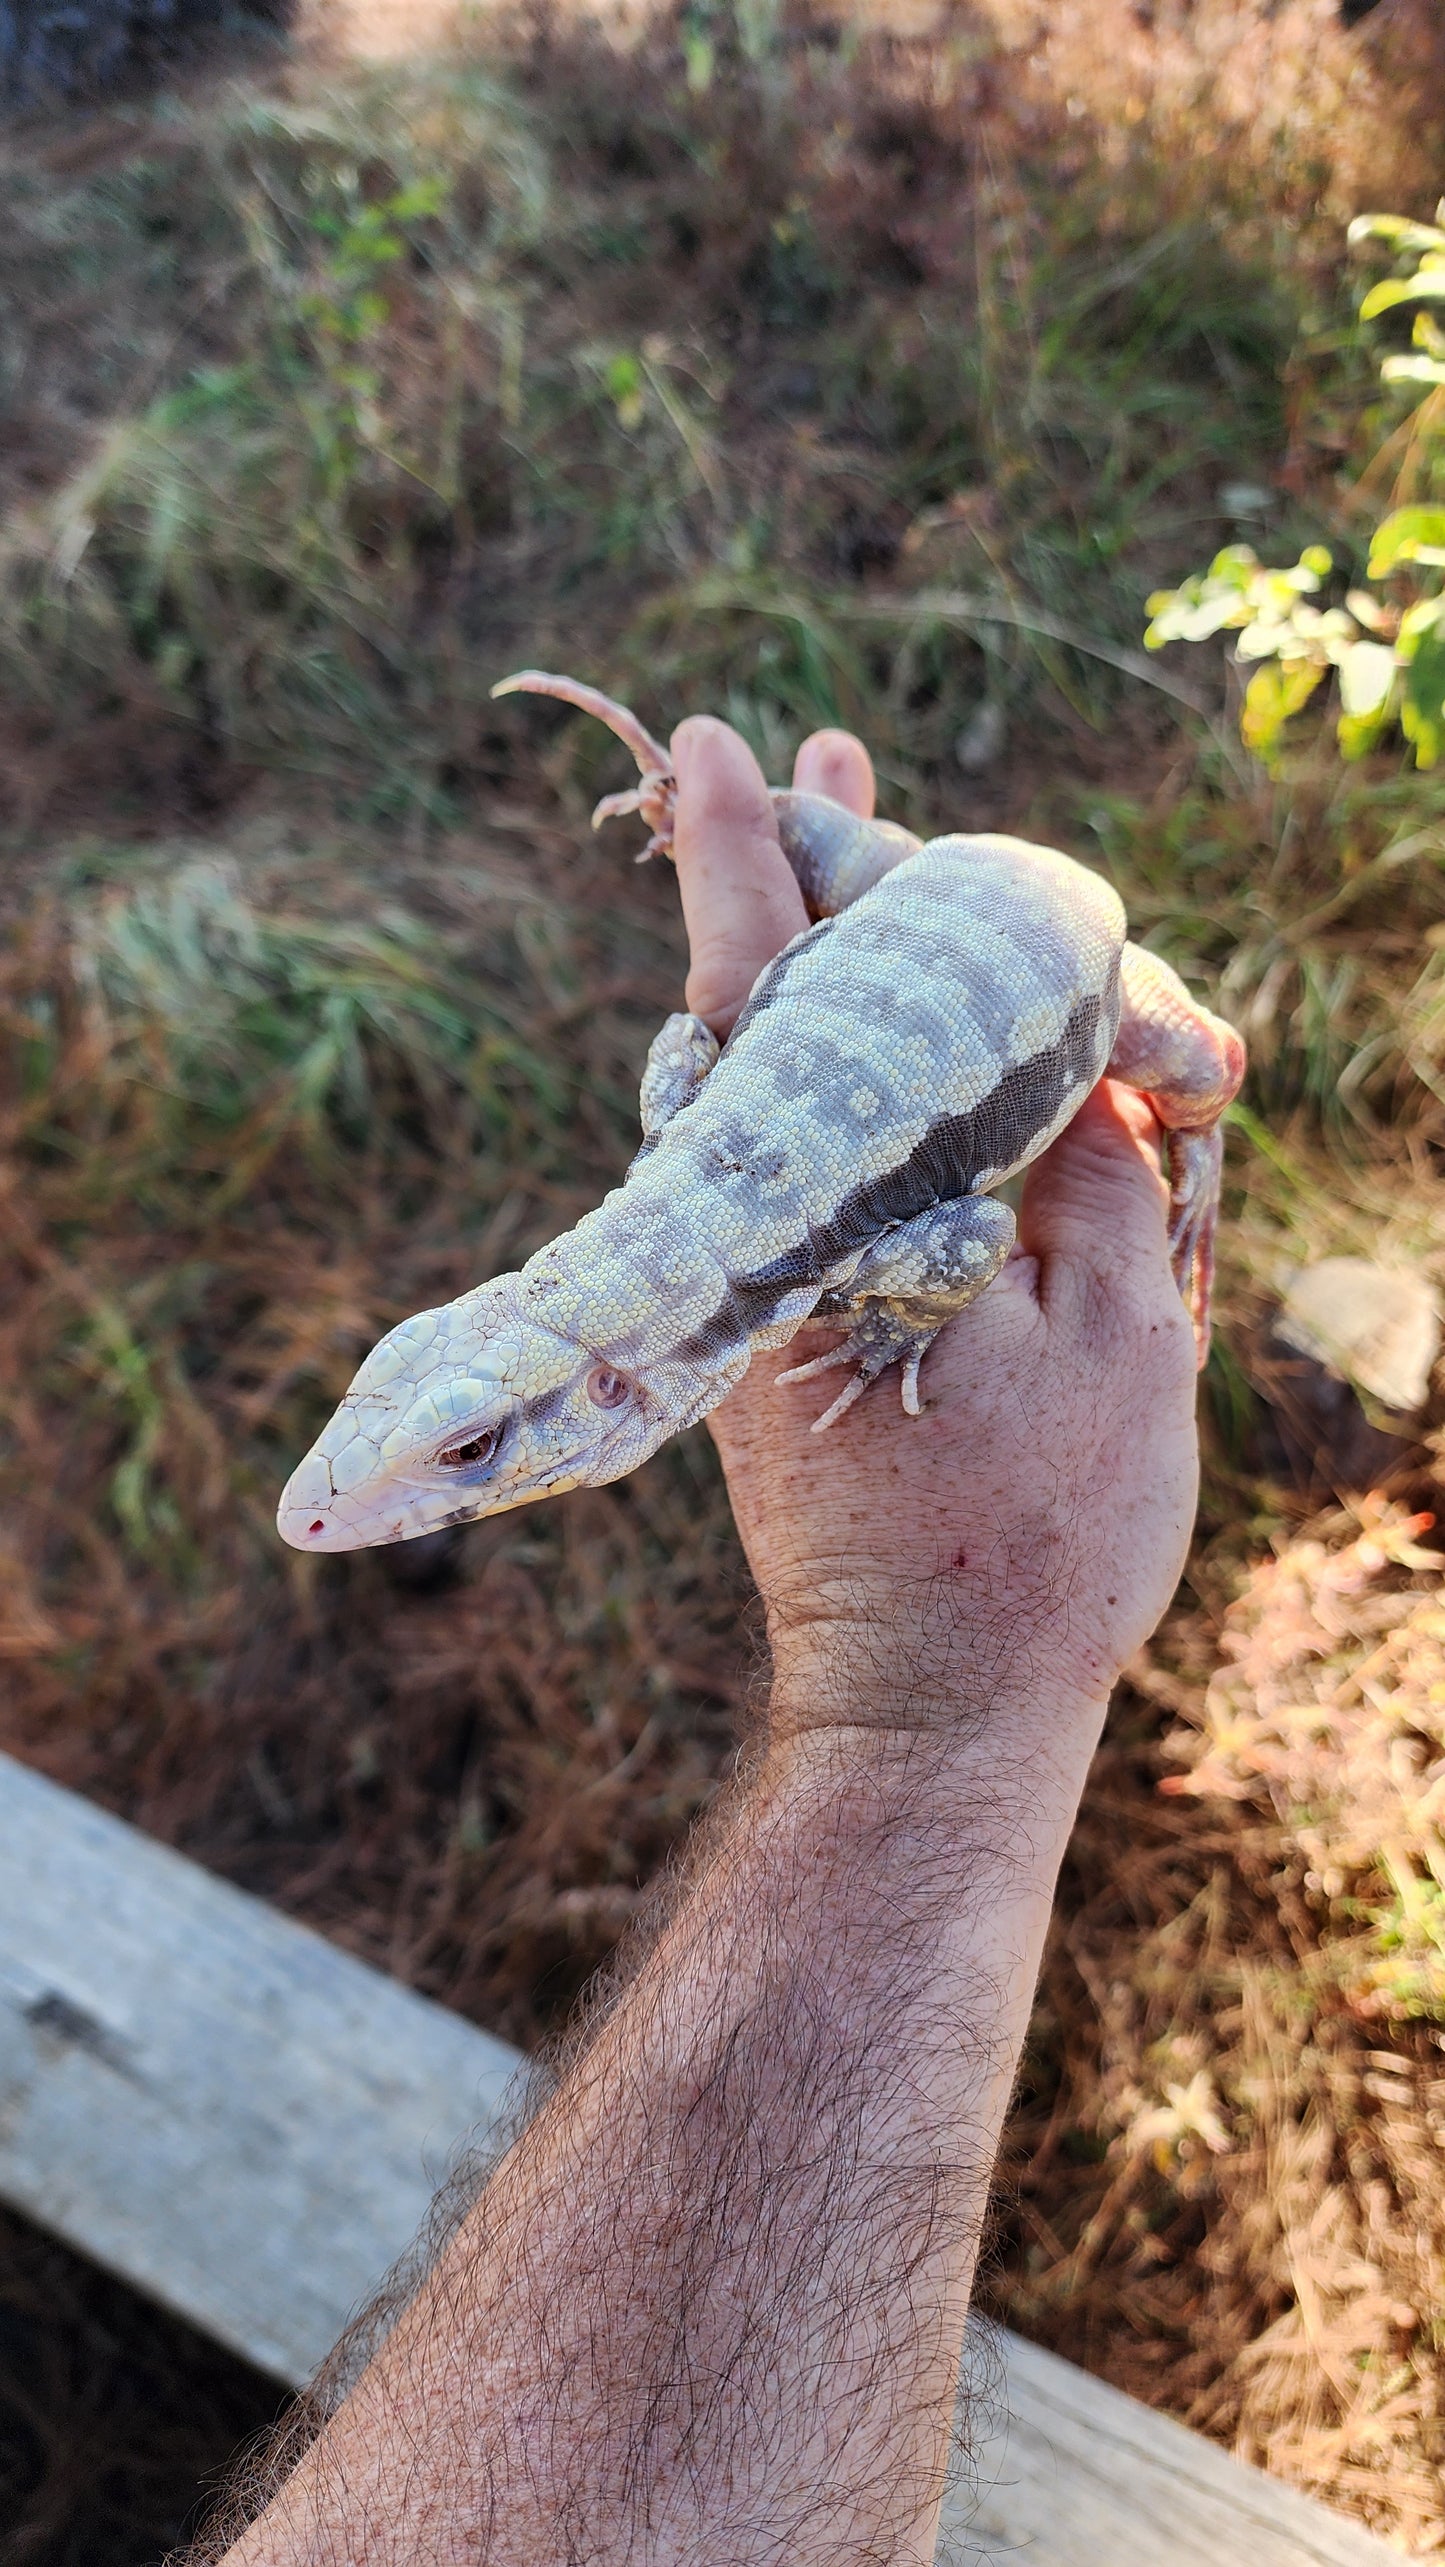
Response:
column 1226, row 2152
column 801, row 369
column 245, row 1134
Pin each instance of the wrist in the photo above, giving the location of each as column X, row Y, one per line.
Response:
column 1019, row 1761
column 932, row 1676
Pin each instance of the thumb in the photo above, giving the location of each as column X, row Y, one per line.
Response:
column 739, row 897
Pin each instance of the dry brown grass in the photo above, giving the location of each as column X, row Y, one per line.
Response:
column 466, row 1767
column 1329, row 1710
column 1227, row 2148
column 1243, row 94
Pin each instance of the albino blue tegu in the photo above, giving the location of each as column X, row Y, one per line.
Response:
column 835, row 1160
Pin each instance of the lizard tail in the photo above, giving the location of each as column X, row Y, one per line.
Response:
column 652, row 758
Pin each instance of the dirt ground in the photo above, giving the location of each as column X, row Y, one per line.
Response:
column 116, row 2421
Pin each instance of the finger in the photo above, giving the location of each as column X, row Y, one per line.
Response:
column 739, row 897
column 833, row 762
column 1097, row 1197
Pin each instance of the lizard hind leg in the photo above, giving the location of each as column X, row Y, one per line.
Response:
column 655, row 798
column 1189, row 1064
column 905, row 1287
column 835, row 855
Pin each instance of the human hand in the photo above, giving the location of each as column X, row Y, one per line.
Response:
column 1008, row 1551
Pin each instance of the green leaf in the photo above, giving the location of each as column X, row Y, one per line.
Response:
column 1412, row 370
column 1422, row 714
column 1408, row 535
column 1207, row 602
column 1357, row 733
column 1368, row 611
column 699, row 55
column 1235, row 563
column 1265, row 639
column 1369, row 676
column 1399, row 228
column 1428, row 285
column 1418, row 623
column 624, row 379
column 1367, row 673
column 1184, row 619
column 425, row 196
column 1273, row 694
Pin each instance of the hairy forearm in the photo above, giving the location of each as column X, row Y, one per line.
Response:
column 711, row 2305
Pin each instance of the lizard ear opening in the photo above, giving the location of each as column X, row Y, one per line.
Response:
column 607, row 1389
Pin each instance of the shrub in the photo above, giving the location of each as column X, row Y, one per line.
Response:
column 1386, row 642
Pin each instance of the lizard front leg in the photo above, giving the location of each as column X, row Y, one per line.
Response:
column 903, row 1290
column 1189, row 1064
column 679, row 1058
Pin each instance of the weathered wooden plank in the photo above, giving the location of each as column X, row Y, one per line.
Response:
column 247, row 2123
column 1075, row 2474
column 239, row 2118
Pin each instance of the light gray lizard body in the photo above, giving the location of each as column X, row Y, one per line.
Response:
column 934, row 1030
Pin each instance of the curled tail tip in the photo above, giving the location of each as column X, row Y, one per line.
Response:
column 523, row 681
column 651, row 757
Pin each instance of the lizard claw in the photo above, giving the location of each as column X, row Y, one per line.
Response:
column 876, row 1339
column 656, row 799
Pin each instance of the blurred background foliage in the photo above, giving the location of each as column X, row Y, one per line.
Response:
column 1386, row 642
column 803, row 366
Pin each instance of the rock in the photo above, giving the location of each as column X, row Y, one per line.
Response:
column 980, row 744
column 1246, row 499
column 1376, row 1327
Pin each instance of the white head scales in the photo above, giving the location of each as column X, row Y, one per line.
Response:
column 462, row 1412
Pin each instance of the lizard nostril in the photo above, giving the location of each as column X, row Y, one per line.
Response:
column 317, row 1527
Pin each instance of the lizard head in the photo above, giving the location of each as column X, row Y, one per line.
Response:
column 463, row 1412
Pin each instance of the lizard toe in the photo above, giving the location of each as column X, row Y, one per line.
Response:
column 877, row 1339
column 841, row 1354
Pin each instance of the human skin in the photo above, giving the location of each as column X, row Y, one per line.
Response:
column 710, row 2307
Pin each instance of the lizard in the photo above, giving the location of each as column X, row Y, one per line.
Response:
column 938, row 1023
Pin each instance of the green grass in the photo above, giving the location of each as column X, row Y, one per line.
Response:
column 439, row 370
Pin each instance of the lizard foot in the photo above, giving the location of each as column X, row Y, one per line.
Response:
column 876, row 1339
column 656, row 796
column 656, row 799
column 682, row 1055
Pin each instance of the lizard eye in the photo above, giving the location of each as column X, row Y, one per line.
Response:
column 607, row 1389
column 478, row 1448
